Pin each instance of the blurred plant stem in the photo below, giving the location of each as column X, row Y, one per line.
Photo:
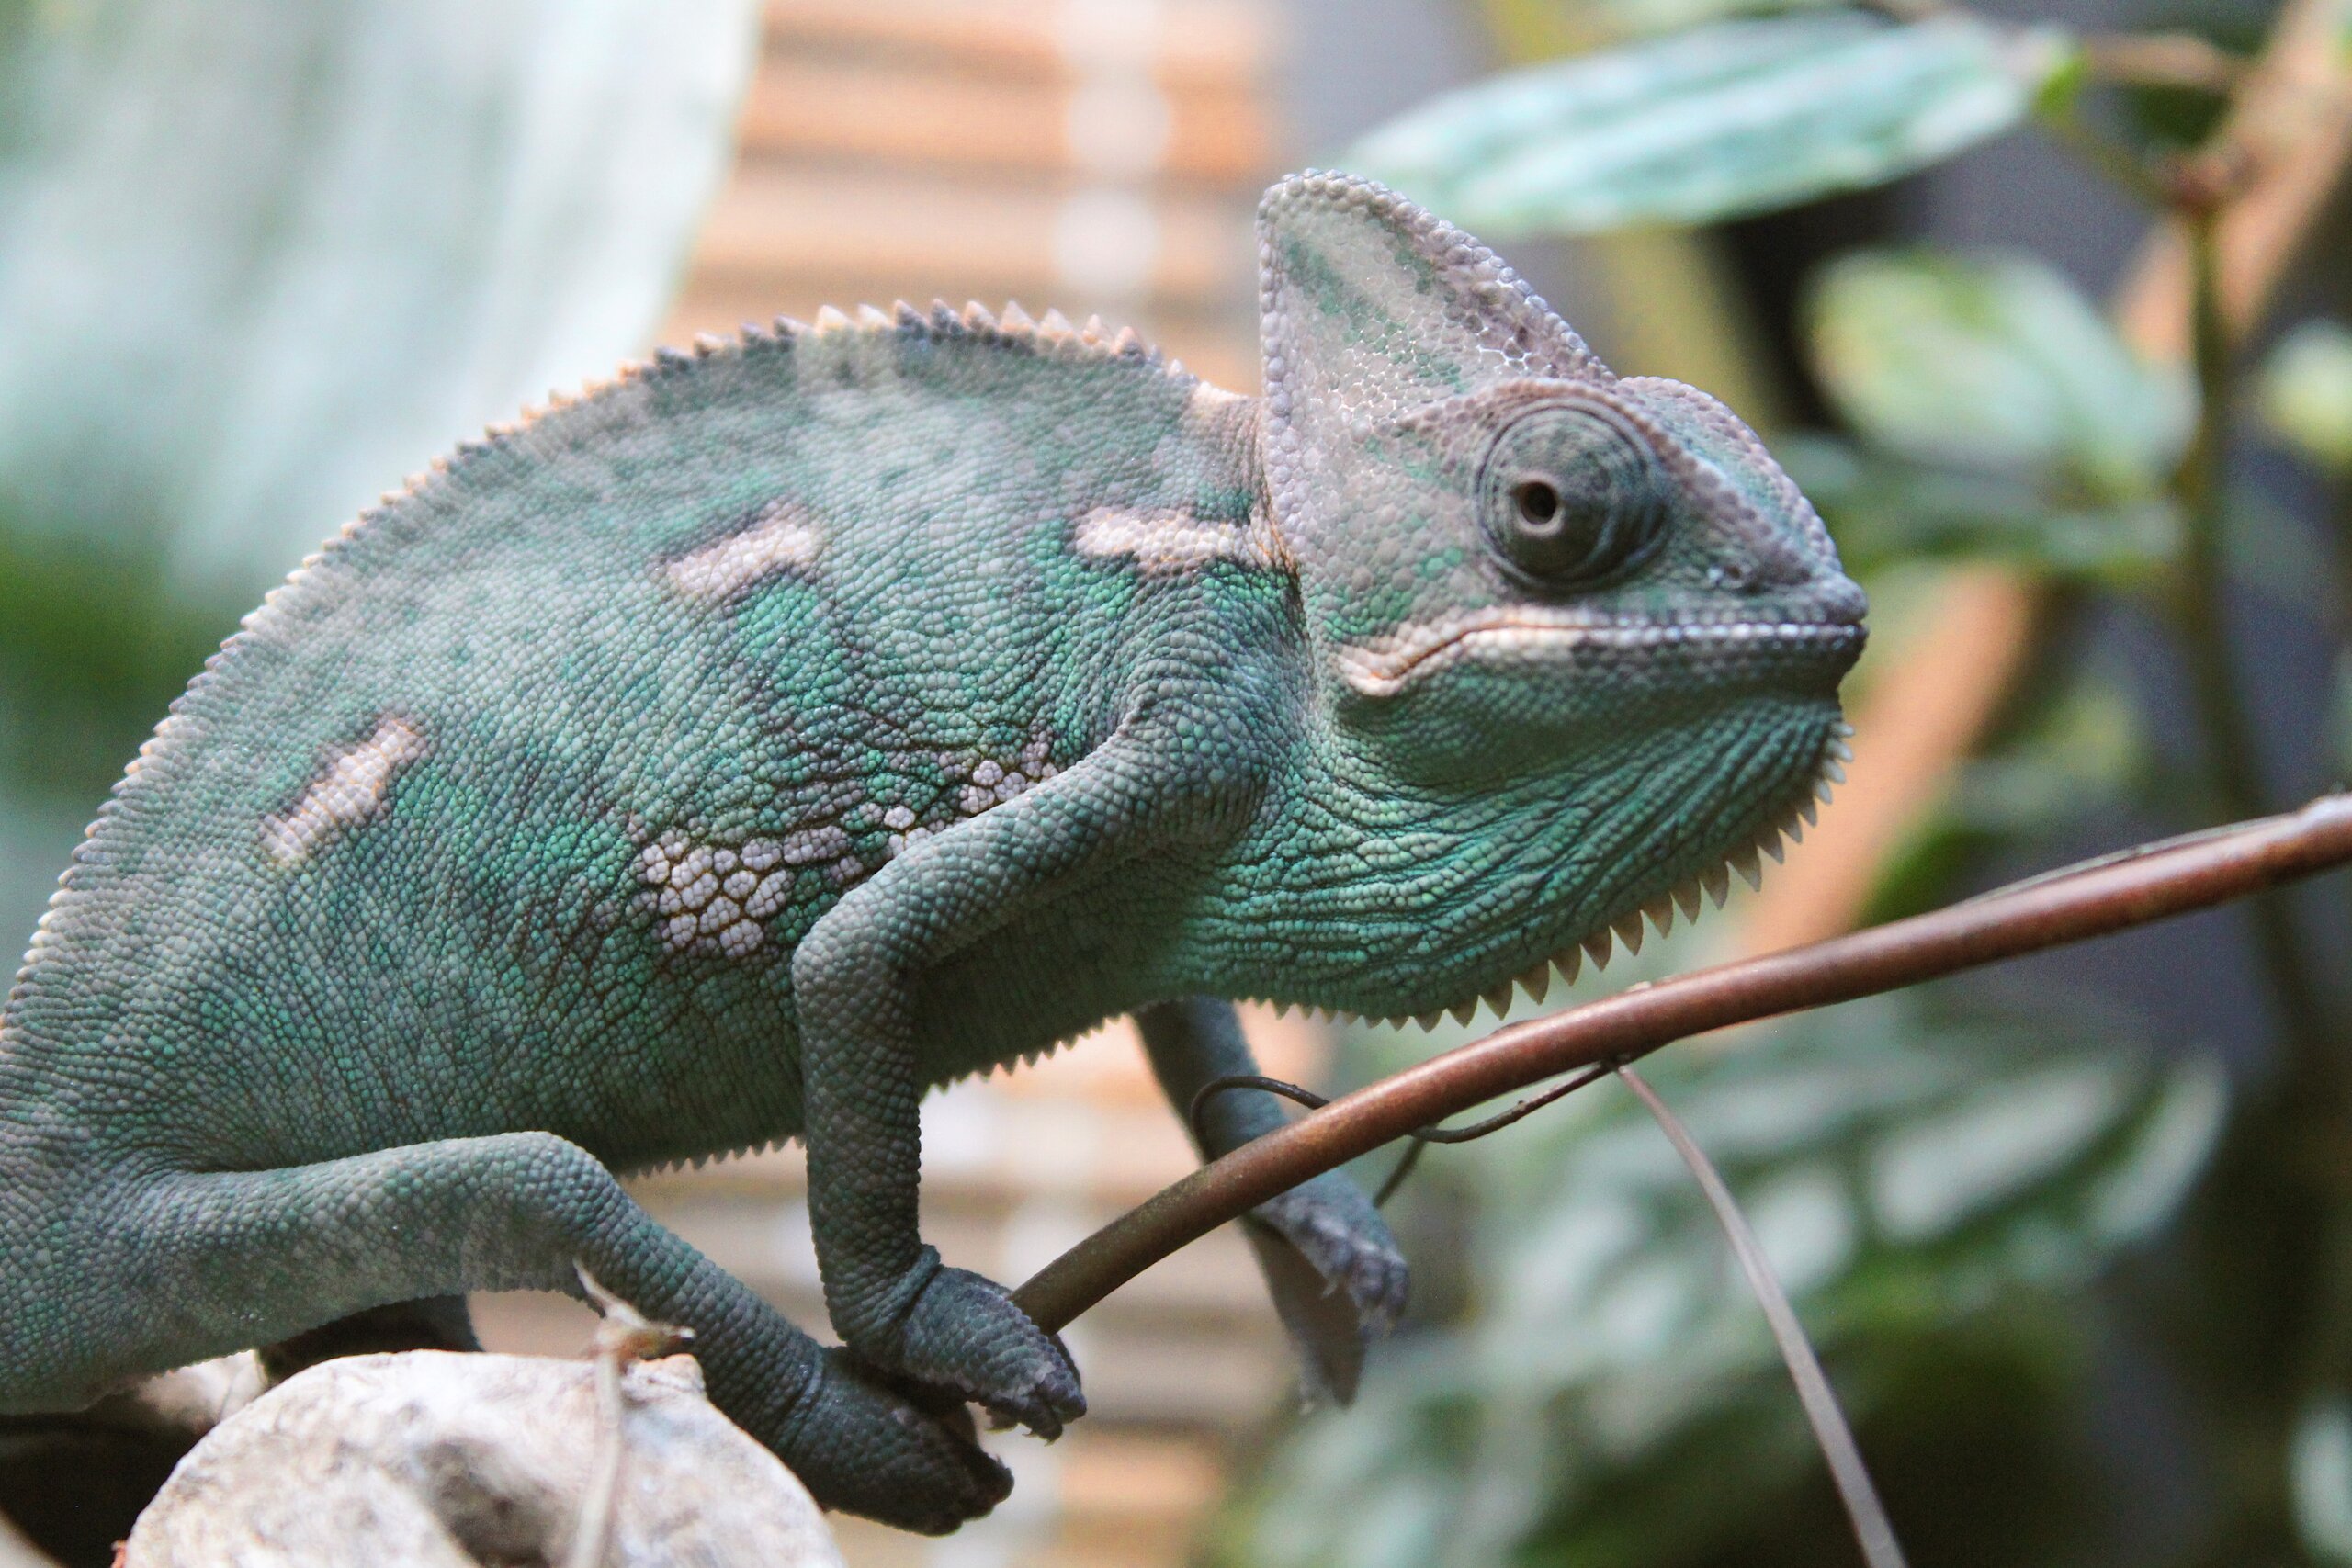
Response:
column 2200, row 580
column 2271, row 1230
column 2274, row 1163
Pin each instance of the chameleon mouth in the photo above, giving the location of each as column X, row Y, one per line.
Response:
column 1555, row 636
column 1686, row 898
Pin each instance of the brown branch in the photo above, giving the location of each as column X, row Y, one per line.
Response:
column 2095, row 899
column 2286, row 144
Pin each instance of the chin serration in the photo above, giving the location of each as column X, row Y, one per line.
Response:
column 1687, row 898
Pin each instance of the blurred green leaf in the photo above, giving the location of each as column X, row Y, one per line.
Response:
column 2081, row 749
column 94, row 646
column 259, row 261
column 1611, row 1399
column 2339, row 717
column 1736, row 117
column 1995, row 364
column 2279, row 556
column 1621, row 19
column 1887, row 510
column 2319, row 1468
column 2306, row 392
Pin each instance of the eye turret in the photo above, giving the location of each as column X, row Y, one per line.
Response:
column 1571, row 495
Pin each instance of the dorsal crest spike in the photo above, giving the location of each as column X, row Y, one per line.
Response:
column 943, row 322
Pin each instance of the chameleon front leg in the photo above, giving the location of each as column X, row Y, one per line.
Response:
column 1321, row 1239
column 855, row 977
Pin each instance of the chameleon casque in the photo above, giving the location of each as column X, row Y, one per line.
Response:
column 740, row 749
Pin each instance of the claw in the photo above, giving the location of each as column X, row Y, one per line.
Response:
column 1340, row 1280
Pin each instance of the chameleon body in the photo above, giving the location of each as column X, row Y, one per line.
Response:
column 739, row 751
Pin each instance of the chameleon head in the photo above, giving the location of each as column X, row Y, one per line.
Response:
column 1592, row 607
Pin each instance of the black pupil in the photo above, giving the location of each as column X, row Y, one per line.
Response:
column 1568, row 497
column 1538, row 502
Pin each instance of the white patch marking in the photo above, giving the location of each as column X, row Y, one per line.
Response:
column 348, row 793
column 1166, row 539
column 711, row 898
column 1387, row 664
column 781, row 538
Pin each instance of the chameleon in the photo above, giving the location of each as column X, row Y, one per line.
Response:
column 738, row 750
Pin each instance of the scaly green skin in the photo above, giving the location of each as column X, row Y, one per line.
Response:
column 785, row 730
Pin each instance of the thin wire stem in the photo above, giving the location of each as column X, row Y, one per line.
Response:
column 1420, row 1137
column 1874, row 1531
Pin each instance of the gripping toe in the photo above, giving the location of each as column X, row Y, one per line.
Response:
column 863, row 1445
column 1337, row 1277
column 964, row 1334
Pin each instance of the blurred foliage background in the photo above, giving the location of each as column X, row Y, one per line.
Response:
column 2073, row 1239
column 2076, row 1241
column 257, row 262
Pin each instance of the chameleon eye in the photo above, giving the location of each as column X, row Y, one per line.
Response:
column 1571, row 496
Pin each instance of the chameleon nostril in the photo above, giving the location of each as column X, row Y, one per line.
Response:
column 1841, row 598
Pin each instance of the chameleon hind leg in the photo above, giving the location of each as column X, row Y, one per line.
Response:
column 218, row 1261
column 428, row 1323
column 1332, row 1266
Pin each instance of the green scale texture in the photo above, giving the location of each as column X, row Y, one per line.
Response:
column 777, row 732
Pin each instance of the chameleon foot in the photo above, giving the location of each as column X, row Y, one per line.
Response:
column 1346, row 1242
column 862, row 1445
column 1338, row 1282
column 965, row 1334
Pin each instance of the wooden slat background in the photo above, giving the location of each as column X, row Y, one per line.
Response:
column 1093, row 155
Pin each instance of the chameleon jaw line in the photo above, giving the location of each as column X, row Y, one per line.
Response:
column 1388, row 665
